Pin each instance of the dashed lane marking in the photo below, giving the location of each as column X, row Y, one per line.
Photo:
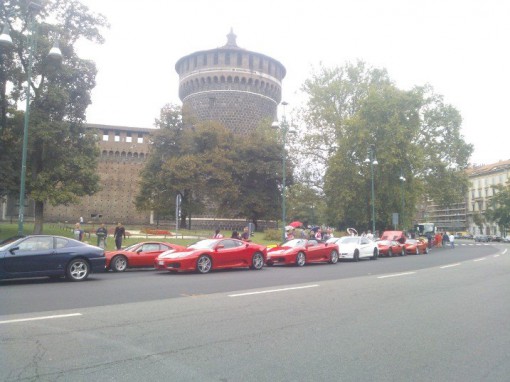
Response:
column 450, row 265
column 396, row 275
column 273, row 290
column 482, row 259
column 40, row 318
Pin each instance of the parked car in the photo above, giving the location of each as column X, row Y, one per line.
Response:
column 390, row 248
column 303, row 251
column 482, row 238
column 399, row 236
column 138, row 255
column 416, row 246
column 356, row 247
column 47, row 255
column 211, row 254
column 506, row 239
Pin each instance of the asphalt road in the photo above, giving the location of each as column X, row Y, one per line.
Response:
column 439, row 317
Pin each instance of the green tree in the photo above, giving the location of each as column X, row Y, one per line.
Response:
column 410, row 139
column 62, row 155
column 499, row 207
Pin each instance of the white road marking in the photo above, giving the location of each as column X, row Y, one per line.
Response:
column 273, row 290
column 40, row 318
column 449, row 265
column 496, row 255
column 396, row 275
column 506, row 249
column 482, row 259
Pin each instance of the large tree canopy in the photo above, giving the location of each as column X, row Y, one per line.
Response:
column 415, row 134
column 61, row 153
column 215, row 171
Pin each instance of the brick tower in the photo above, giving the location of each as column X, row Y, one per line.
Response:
column 236, row 87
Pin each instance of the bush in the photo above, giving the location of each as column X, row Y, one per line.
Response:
column 273, row 234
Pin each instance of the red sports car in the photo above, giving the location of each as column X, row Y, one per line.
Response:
column 416, row 246
column 302, row 251
column 210, row 254
column 138, row 255
column 390, row 248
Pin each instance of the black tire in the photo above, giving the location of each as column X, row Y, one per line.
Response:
column 119, row 263
column 355, row 257
column 333, row 257
column 204, row 264
column 300, row 259
column 77, row 270
column 257, row 261
column 375, row 255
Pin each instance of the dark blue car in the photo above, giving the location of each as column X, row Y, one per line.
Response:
column 54, row 256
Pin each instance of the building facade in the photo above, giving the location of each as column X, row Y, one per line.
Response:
column 482, row 179
column 238, row 88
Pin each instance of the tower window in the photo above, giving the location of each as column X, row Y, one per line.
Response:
column 239, row 59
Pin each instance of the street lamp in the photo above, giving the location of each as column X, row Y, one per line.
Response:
column 373, row 161
column 402, row 180
column 285, row 127
column 6, row 41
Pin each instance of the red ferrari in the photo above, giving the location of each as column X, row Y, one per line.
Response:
column 210, row 254
column 302, row 251
column 138, row 255
column 416, row 246
column 390, row 248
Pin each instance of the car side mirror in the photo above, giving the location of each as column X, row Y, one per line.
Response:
column 139, row 250
column 247, row 245
column 13, row 249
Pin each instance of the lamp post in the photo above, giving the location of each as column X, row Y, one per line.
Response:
column 5, row 40
column 402, row 181
column 373, row 161
column 285, row 127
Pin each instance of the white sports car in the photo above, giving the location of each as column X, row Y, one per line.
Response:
column 356, row 247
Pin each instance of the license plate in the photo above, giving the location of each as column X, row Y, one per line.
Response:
column 161, row 262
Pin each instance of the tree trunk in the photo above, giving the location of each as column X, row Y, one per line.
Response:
column 39, row 218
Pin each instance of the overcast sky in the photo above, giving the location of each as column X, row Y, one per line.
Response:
column 460, row 47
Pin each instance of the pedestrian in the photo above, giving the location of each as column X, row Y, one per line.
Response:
column 245, row 236
column 119, row 234
column 78, row 232
column 235, row 235
column 451, row 237
column 318, row 235
column 446, row 239
column 438, row 240
column 289, row 235
column 101, row 234
column 217, row 234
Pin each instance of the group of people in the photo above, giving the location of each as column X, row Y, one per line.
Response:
column 443, row 239
column 245, row 236
column 102, row 233
column 316, row 233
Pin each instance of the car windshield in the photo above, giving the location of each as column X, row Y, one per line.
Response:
column 294, row 243
column 349, row 240
column 411, row 241
column 384, row 242
column 131, row 247
column 4, row 247
column 204, row 244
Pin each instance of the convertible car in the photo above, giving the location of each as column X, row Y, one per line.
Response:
column 390, row 248
column 416, row 246
column 302, row 251
column 210, row 254
column 138, row 255
column 356, row 247
column 46, row 255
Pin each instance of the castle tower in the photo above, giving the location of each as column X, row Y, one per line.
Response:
column 238, row 88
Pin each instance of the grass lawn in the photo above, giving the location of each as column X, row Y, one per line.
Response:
column 185, row 237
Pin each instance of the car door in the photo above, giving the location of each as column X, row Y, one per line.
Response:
column 227, row 254
column 314, row 250
column 32, row 255
column 366, row 247
column 146, row 254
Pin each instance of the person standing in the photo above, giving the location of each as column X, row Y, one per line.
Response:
column 78, row 232
column 245, row 236
column 217, row 235
column 119, row 234
column 452, row 240
column 235, row 235
column 101, row 234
